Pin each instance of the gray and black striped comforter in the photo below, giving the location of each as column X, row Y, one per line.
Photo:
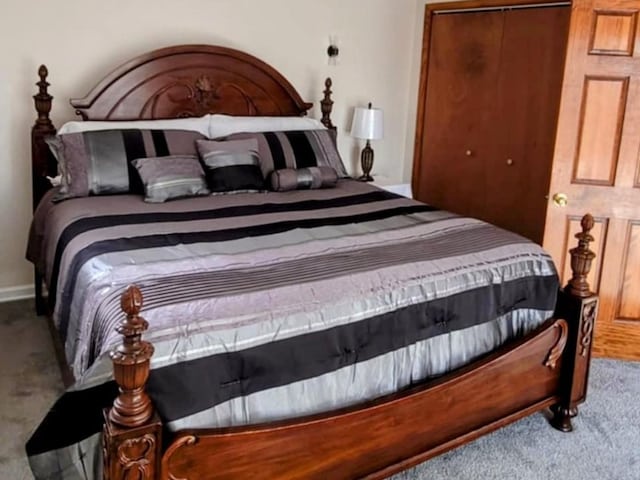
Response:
column 271, row 306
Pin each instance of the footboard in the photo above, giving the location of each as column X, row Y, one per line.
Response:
column 548, row 368
column 388, row 435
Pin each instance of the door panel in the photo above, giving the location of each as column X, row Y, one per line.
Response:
column 614, row 32
column 528, row 100
column 628, row 304
column 596, row 163
column 601, row 121
column 618, row 324
column 461, row 83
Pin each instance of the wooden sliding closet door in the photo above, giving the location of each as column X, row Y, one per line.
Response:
column 597, row 165
column 464, row 64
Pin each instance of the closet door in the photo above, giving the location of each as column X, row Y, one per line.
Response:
column 527, row 102
column 461, row 73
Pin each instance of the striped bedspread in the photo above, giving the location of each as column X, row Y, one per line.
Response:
column 270, row 306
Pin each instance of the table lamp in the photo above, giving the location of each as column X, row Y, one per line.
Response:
column 367, row 125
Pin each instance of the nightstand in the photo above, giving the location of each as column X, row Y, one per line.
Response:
column 384, row 183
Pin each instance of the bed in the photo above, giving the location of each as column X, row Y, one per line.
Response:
column 331, row 333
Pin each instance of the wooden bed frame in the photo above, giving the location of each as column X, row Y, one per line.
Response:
column 548, row 368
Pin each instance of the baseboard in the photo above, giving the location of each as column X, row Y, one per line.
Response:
column 20, row 292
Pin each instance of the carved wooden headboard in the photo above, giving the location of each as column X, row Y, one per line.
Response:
column 180, row 81
column 190, row 81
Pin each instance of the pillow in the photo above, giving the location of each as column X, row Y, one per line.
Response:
column 175, row 176
column 99, row 162
column 223, row 125
column 303, row 178
column 296, row 149
column 231, row 166
column 195, row 124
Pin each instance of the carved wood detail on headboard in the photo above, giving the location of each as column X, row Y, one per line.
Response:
column 191, row 80
column 188, row 97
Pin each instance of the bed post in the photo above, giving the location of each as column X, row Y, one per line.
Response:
column 131, row 438
column 326, row 105
column 42, row 163
column 579, row 306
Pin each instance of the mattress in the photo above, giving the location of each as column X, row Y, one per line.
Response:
column 270, row 306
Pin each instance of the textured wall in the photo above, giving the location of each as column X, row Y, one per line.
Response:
column 82, row 40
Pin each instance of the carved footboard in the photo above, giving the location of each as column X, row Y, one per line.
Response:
column 548, row 368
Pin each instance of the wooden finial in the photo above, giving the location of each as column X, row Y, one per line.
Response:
column 131, row 301
column 43, row 72
column 131, row 365
column 43, row 100
column 581, row 259
column 326, row 105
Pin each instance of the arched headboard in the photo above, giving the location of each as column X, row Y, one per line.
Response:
column 180, row 81
column 190, row 81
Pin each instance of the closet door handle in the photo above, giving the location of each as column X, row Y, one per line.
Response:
column 509, row 161
column 468, row 153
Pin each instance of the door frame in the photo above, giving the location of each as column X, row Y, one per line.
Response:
column 432, row 9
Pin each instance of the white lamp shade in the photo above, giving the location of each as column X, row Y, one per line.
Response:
column 368, row 123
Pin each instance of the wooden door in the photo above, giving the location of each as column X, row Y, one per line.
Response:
column 528, row 100
column 597, row 167
column 458, row 96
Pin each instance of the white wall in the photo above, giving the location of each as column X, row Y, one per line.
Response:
column 82, row 40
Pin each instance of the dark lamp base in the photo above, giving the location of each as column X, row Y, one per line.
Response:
column 366, row 162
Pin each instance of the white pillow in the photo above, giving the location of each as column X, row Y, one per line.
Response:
column 196, row 124
column 223, row 125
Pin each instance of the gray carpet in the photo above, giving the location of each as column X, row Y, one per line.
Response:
column 605, row 444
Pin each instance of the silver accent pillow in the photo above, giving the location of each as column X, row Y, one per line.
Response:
column 303, row 178
column 175, row 176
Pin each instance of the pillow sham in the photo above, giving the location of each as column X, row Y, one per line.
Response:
column 175, row 176
column 303, row 178
column 100, row 162
column 231, row 166
column 223, row 125
column 196, row 124
column 296, row 149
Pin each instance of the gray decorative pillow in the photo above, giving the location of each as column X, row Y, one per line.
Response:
column 296, row 149
column 303, row 178
column 100, row 162
column 231, row 166
column 175, row 176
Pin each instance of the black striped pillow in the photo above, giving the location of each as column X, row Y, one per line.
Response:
column 100, row 162
column 296, row 149
column 231, row 166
